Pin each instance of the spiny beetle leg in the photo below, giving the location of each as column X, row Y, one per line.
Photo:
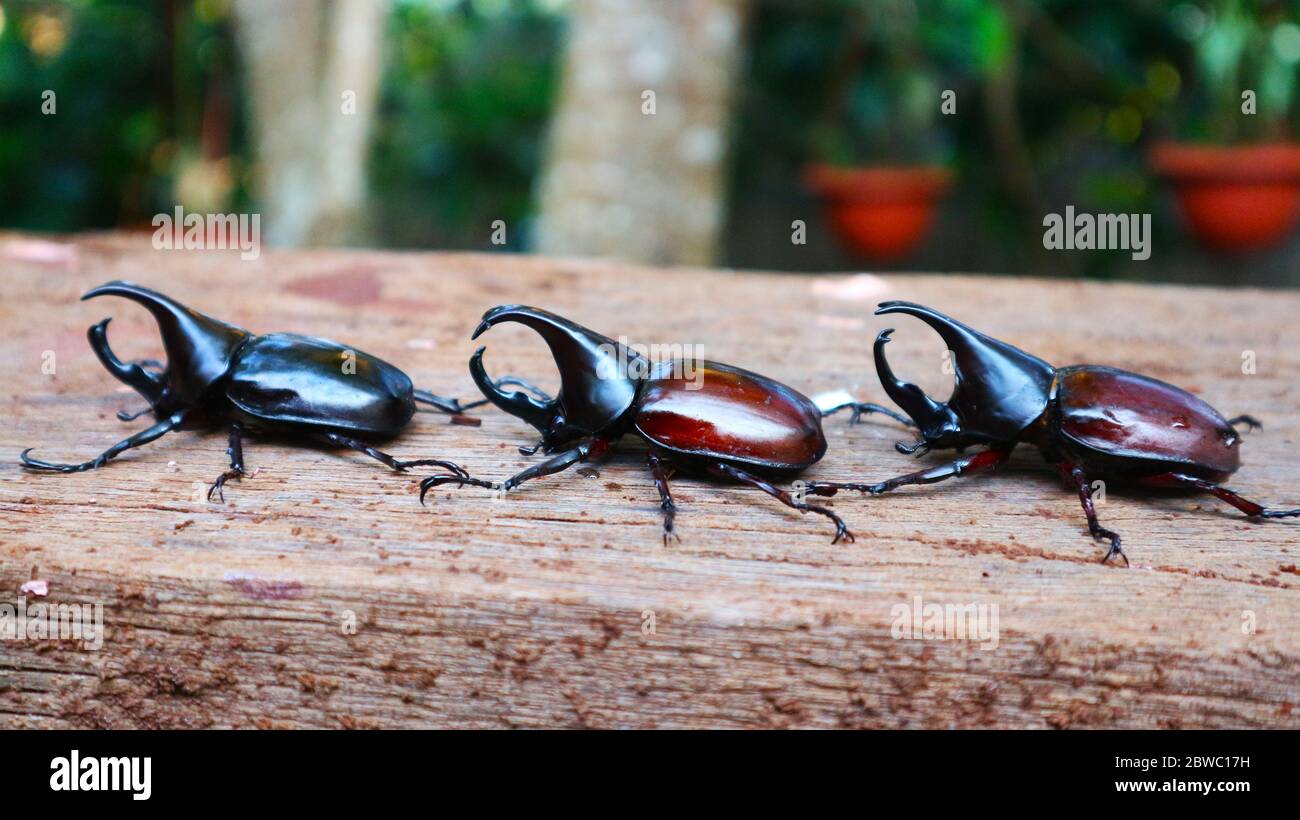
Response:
column 662, row 471
column 829, row 488
column 122, row 415
column 444, row 404
column 593, row 449
column 143, row 437
column 235, row 449
column 459, row 479
column 1251, row 422
column 381, row 456
column 1076, row 474
column 1248, row 507
column 724, row 470
column 456, row 407
column 433, row 462
column 985, row 460
column 515, row 381
column 861, row 408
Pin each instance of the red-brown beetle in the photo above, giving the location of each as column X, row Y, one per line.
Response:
column 1093, row 422
column 721, row 420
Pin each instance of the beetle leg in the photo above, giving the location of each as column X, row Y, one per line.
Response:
column 1075, row 472
column 916, row 448
column 235, row 449
column 1251, row 422
column 143, row 437
column 122, row 415
column 860, row 408
column 455, row 407
column 1250, row 508
column 724, row 470
column 662, row 471
column 538, row 392
column 380, row 455
column 450, row 406
column 985, row 460
column 592, row 450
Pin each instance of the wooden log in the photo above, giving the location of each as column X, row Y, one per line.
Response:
column 559, row 605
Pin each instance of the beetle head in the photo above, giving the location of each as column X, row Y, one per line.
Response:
column 199, row 349
column 1000, row 390
column 598, row 377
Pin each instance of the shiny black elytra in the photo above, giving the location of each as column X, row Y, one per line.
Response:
column 731, row 423
column 1092, row 422
column 279, row 383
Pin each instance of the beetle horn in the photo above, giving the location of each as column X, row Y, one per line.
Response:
column 147, row 384
column 516, row 403
column 1000, row 389
column 925, row 411
column 597, row 384
column 199, row 347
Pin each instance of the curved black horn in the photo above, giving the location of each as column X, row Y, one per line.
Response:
column 925, row 411
column 520, row 405
column 147, row 384
column 1000, row 389
column 597, row 381
column 199, row 347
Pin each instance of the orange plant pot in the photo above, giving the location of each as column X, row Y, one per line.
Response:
column 1235, row 198
column 881, row 213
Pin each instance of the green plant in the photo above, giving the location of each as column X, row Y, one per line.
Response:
column 459, row 136
column 881, row 101
column 1245, row 55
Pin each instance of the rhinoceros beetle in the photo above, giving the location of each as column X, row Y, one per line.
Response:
column 738, row 425
column 1092, row 422
column 279, row 383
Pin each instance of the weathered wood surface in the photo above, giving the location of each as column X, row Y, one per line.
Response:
column 528, row 610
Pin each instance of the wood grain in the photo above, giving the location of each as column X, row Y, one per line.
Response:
column 529, row 610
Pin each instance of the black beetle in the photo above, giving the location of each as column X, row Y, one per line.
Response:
column 729, row 423
column 1093, row 422
column 279, row 383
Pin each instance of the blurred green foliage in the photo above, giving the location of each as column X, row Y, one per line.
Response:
column 1056, row 100
column 149, row 112
column 467, row 96
column 99, row 103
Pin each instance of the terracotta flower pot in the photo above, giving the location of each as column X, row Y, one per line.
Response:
column 881, row 213
column 1235, row 198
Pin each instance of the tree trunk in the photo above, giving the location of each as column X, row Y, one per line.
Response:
column 637, row 146
column 313, row 69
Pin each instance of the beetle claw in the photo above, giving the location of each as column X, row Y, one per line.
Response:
column 529, row 450
column 459, row 479
column 1115, row 548
column 916, row 448
column 219, row 485
column 122, row 415
column 403, row 466
column 1252, row 423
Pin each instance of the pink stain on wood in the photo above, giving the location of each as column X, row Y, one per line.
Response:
column 357, row 286
column 41, row 252
column 265, row 589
